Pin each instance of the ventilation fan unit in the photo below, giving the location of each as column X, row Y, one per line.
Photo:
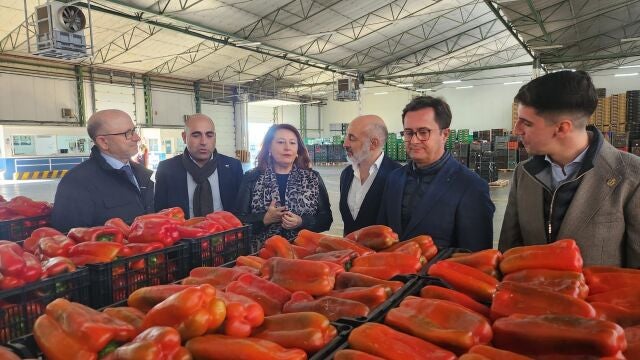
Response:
column 347, row 90
column 60, row 31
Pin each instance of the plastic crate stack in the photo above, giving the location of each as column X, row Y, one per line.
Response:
column 392, row 145
column 506, row 152
column 618, row 113
column 633, row 119
column 312, row 153
column 460, row 152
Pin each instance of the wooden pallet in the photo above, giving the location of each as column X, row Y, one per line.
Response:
column 499, row 183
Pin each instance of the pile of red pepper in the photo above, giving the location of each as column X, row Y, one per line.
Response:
column 22, row 207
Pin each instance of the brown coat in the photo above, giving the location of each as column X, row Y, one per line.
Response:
column 603, row 218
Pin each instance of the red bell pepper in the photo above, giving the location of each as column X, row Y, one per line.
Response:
column 486, row 261
column 243, row 314
column 376, row 237
column 406, row 247
column 188, row 232
column 17, row 267
column 31, row 243
column 313, row 277
column 98, row 251
column 466, row 279
column 623, row 316
column 372, row 296
column 277, row 246
column 250, row 261
column 52, row 246
column 192, row 311
column 156, row 343
column 332, row 307
column 156, row 228
column 381, row 340
column 350, row 354
column 56, row 266
column 632, row 334
column 225, row 217
column 491, row 353
column 5, row 353
column 209, row 227
column 559, row 255
column 332, row 243
column 175, row 213
column 310, row 240
column 628, row 297
column 270, row 296
column 22, row 205
column 546, row 335
column 340, row 257
column 96, row 233
column 606, row 278
column 120, row 225
column 441, row 293
column 386, row 265
column 564, row 282
column 193, row 221
column 144, row 299
column 227, row 347
column 216, row 276
column 441, row 322
column 130, row 315
column 346, row 280
column 515, row 298
column 308, row 331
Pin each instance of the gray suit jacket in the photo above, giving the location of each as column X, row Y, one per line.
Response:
column 603, row 218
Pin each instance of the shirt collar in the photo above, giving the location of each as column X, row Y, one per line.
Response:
column 374, row 167
column 576, row 161
column 115, row 163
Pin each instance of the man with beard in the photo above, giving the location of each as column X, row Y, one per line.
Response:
column 434, row 194
column 107, row 185
column 362, row 182
column 575, row 185
column 201, row 180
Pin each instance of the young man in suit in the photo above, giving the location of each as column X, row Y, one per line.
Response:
column 434, row 194
column 362, row 182
column 201, row 180
column 576, row 185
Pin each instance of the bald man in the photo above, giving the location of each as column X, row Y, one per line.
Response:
column 201, row 180
column 362, row 182
column 107, row 185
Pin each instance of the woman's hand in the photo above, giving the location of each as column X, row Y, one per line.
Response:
column 291, row 220
column 274, row 213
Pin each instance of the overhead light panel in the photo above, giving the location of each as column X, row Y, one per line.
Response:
column 630, row 39
column 464, row 87
column 545, row 47
column 424, row 89
column 451, row 81
column 624, row 75
column 381, row 93
column 253, row 43
column 513, row 82
column 273, row 102
column 628, row 66
column 405, row 85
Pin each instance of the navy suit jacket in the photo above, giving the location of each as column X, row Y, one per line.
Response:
column 171, row 183
column 456, row 210
column 368, row 213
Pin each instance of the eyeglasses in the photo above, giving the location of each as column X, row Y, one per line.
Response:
column 127, row 134
column 422, row 134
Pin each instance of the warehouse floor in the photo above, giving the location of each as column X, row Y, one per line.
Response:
column 45, row 190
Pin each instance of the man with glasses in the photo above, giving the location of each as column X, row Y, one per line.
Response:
column 107, row 185
column 201, row 180
column 434, row 194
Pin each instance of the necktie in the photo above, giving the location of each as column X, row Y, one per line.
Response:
column 129, row 171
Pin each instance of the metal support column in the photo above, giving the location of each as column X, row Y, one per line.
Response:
column 196, row 90
column 148, row 109
column 303, row 122
column 80, row 95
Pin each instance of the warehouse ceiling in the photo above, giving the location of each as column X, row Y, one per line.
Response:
column 303, row 46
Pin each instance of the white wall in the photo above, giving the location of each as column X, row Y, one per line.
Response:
column 617, row 85
column 260, row 114
column 169, row 107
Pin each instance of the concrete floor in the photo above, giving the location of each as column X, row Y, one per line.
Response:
column 45, row 190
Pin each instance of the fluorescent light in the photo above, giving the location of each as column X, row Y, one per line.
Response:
column 451, row 81
column 312, row 102
column 405, row 85
column 630, row 39
column 381, row 93
column 319, row 93
column 513, row 82
column 424, row 89
column 545, row 47
column 628, row 66
column 254, row 43
column 273, row 103
column 622, row 75
column 464, row 87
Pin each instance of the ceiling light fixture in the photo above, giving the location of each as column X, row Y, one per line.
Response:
column 405, row 85
column 545, row 47
column 254, row 43
column 273, row 102
column 451, row 81
column 623, row 75
column 381, row 93
column 464, row 87
column 513, row 82
column 628, row 66
column 424, row 89
column 630, row 39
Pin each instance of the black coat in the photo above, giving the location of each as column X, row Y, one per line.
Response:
column 94, row 192
column 368, row 213
column 171, row 183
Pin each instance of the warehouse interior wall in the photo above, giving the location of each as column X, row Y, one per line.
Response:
column 617, row 85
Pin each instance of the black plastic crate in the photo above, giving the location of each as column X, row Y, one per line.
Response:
column 22, row 306
column 20, row 229
column 114, row 281
column 220, row 248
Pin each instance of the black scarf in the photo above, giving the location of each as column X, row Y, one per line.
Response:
column 202, row 196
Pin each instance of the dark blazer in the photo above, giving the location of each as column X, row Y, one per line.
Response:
column 456, row 211
column 371, row 204
column 171, row 183
column 94, row 192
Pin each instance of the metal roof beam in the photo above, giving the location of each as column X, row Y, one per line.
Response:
column 18, row 36
column 508, row 26
column 187, row 57
column 123, row 43
column 538, row 18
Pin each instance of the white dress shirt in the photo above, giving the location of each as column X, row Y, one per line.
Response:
column 358, row 190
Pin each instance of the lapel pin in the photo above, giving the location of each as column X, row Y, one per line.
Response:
column 612, row 182
column 226, row 165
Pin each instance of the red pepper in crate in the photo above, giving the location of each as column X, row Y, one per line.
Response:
column 188, row 232
column 192, row 311
column 17, row 267
column 250, row 261
column 277, row 246
column 226, row 218
column 157, row 343
column 340, row 257
column 350, row 354
column 346, row 280
column 441, row 293
column 313, row 277
column 119, row 224
column 22, row 205
column 5, row 353
column 216, row 276
column 441, row 322
column 31, row 243
column 134, row 249
column 623, row 316
column 243, row 314
column 209, row 227
column 405, row 247
column 74, row 331
column 466, row 279
column 606, row 278
column 146, row 298
column 331, row 243
column 270, row 296
column 94, row 252
column 515, row 298
column 381, row 340
column 154, row 228
column 52, row 246
column 130, row 315
column 96, row 234
column 558, row 335
column 559, row 255
column 564, row 282
column 309, row 240
column 628, row 297
column 427, row 247
column 376, row 237
column 174, row 213
column 385, row 265
column 491, row 353
column 308, row 331
column 632, row 334
column 56, row 266
column 371, row 296
column 486, row 261
column 228, row 347
column 332, row 307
